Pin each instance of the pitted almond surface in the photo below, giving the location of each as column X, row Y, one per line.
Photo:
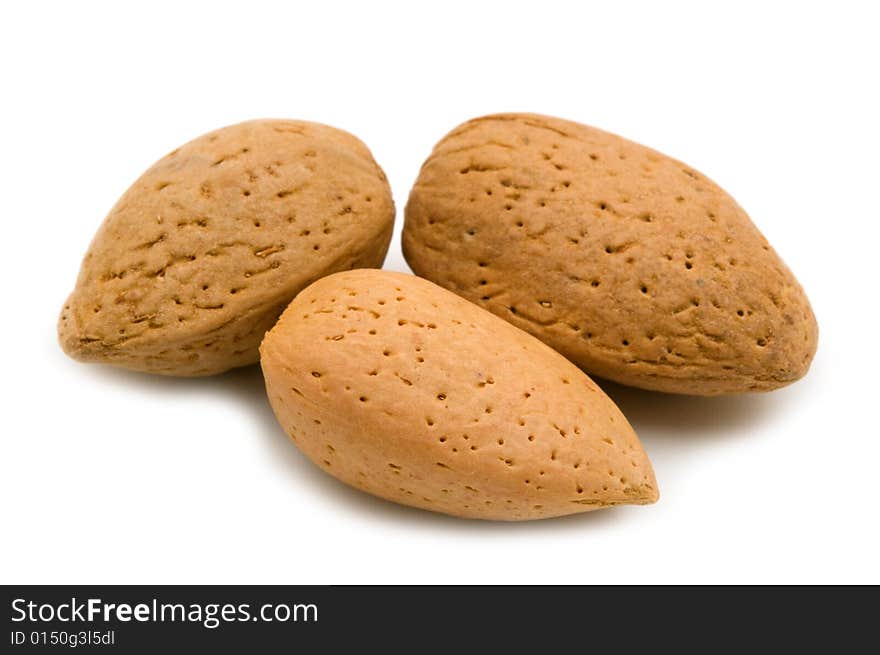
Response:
column 406, row 391
column 633, row 265
column 199, row 257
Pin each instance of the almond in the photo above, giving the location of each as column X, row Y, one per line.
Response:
column 633, row 265
column 408, row 392
column 199, row 257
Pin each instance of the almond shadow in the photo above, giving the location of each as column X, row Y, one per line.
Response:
column 246, row 386
column 656, row 413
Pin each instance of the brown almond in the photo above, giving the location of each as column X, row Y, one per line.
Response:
column 408, row 392
column 635, row 266
column 199, row 257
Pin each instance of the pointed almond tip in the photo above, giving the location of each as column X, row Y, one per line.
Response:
column 650, row 494
column 72, row 340
column 67, row 338
column 645, row 493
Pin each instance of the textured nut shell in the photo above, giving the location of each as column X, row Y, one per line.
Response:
column 199, row 257
column 633, row 265
column 404, row 390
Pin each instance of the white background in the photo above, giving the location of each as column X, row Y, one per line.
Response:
column 112, row 477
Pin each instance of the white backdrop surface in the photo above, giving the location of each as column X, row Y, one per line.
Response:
column 113, row 477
